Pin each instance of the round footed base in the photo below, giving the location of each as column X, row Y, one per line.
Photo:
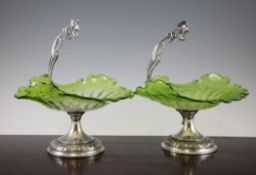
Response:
column 204, row 146
column 72, row 150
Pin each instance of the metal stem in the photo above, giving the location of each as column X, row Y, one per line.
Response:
column 75, row 143
column 179, row 34
column 189, row 131
column 75, row 134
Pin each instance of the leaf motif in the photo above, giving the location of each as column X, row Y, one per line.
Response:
column 207, row 92
column 212, row 87
column 83, row 95
column 98, row 87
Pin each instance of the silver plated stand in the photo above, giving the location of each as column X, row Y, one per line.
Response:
column 75, row 143
column 188, row 140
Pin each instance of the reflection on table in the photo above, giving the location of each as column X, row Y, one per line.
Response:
column 188, row 163
column 75, row 166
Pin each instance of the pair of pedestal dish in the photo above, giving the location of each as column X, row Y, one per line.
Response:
column 99, row 90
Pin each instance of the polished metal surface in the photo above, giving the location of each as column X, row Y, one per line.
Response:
column 189, row 131
column 75, row 143
column 188, row 140
column 173, row 145
column 179, row 34
column 68, row 33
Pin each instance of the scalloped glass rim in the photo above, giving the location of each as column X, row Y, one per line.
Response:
column 206, row 92
column 96, row 90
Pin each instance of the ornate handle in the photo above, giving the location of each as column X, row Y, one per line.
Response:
column 179, row 34
column 68, row 33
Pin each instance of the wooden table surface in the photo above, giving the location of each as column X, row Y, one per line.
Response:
column 126, row 155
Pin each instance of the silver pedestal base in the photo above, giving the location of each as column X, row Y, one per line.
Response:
column 75, row 143
column 205, row 146
column 188, row 140
column 60, row 149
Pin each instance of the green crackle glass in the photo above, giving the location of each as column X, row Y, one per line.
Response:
column 189, row 98
column 207, row 92
column 93, row 92
column 83, row 95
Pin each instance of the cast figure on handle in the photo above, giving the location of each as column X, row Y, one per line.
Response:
column 179, row 34
column 69, row 32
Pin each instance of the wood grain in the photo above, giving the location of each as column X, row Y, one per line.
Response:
column 127, row 155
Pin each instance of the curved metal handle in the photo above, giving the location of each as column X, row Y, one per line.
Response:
column 179, row 34
column 68, row 33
